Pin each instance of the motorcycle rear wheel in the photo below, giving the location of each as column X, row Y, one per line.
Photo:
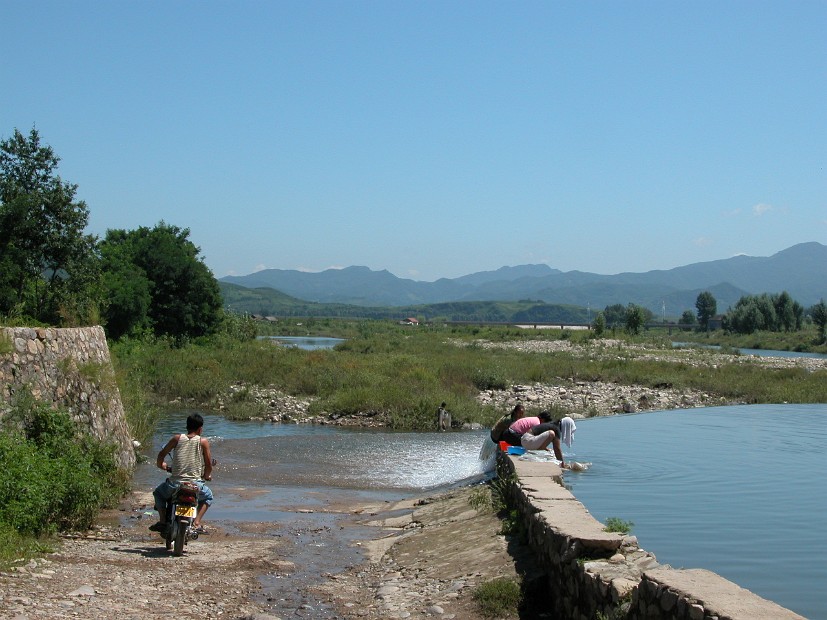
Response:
column 180, row 539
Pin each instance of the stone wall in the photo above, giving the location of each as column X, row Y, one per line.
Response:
column 70, row 368
column 590, row 573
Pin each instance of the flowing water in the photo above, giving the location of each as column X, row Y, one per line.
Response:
column 736, row 490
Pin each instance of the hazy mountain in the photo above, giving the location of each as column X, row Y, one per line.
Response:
column 800, row 270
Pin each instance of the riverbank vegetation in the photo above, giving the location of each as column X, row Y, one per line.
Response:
column 402, row 373
column 54, row 478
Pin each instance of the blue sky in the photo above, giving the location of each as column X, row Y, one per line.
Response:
column 434, row 139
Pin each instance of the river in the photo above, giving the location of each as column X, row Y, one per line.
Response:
column 736, row 490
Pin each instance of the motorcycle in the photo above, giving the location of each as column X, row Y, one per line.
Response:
column 180, row 511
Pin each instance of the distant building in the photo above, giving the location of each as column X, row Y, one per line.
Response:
column 409, row 321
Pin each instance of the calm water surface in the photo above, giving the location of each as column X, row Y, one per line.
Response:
column 307, row 343
column 756, row 352
column 736, row 490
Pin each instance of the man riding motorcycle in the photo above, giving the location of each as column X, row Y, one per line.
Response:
column 191, row 461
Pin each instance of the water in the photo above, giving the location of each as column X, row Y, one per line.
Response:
column 307, row 343
column 736, row 490
column 756, row 352
column 298, row 466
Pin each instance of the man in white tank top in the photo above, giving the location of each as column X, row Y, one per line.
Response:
column 192, row 461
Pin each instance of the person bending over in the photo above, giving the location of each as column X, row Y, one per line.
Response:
column 500, row 430
column 539, row 436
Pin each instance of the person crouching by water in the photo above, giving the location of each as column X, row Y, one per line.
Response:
column 191, row 460
column 500, row 432
column 539, row 436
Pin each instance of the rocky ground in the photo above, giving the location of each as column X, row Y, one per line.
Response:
column 424, row 561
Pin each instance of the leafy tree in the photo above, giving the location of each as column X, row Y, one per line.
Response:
column 599, row 324
column 765, row 312
column 707, row 307
column 784, row 312
column 48, row 266
column 615, row 314
column 819, row 314
column 160, row 266
column 635, row 318
column 128, row 290
column 687, row 318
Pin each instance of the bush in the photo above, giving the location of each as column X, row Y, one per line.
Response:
column 53, row 477
column 618, row 525
column 498, row 598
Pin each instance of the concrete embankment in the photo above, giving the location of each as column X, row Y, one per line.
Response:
column 590, row 571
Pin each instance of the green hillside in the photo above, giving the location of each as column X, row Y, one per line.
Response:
column 270, row 302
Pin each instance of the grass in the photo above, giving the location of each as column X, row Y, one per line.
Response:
column 498, row 598
column 402, row 373
column 807, row 340
column 618, row 525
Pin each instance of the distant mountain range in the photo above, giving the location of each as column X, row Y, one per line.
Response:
column 801, row 270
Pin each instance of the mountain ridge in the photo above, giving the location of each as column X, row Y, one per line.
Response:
column 801, row 270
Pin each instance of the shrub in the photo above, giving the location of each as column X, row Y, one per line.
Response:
column 53, row 477
column 498, row 598
column 615, row 524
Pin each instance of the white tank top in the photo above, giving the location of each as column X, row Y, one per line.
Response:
column 187, row 459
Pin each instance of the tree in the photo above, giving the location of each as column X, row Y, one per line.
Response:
column 615, row 314
column 183, row 296
column 635, row 318
column 707, row 307
column 687, row 318
column 599, row 324
column 819, row 314
column 48, row 266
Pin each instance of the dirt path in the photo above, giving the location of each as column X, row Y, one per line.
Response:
column 419, row 561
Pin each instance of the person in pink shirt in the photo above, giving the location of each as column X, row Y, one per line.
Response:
column 540, row 432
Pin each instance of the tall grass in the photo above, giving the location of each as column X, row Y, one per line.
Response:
column 404, row 373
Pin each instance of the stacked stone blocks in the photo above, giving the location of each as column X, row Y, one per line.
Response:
column 592, row 574
column 68, row 368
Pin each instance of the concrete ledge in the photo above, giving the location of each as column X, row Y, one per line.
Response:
column 701, row 594
column 592, row 573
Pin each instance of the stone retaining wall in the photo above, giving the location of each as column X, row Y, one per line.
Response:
column 70, row 368
column 591, row 573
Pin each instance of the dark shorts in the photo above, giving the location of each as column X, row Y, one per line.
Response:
column 511, row 437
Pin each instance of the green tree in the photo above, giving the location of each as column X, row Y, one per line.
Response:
column 48, row 266
column 183, row 296
column 707, row 307
column 599, row 324
column 635, row 318
column 687, row 318
column 615, row 315
column 128, row 290
column 819, row 315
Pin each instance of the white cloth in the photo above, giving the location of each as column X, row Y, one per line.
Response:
column 567, row 428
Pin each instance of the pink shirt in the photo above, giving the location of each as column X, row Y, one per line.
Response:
column 522, row 425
